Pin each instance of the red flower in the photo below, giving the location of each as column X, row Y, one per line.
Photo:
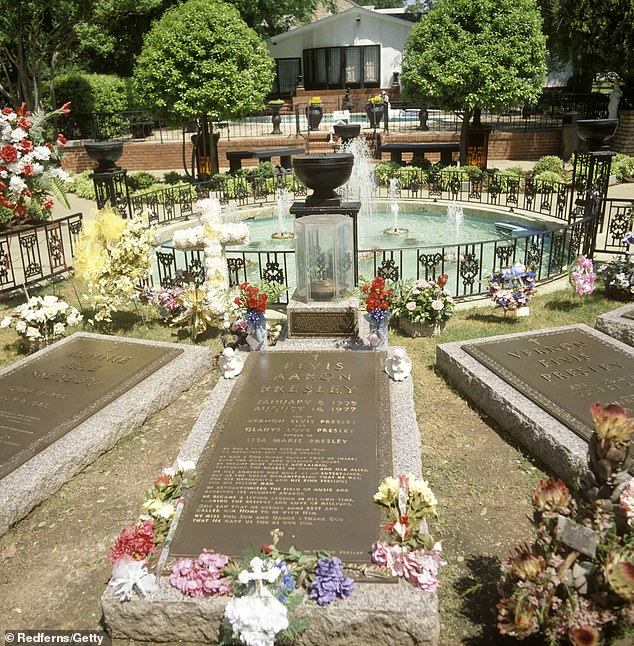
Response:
column 267, row 549
column 137, row 542
column 24, row 123
column 442, row 280
column 64, row 109
column 27, row 169
column 9, row 154
column 7, row 110
column 61, row 140
column 48, row 203
column 26, row 192
column 236, row 300
column 163, row 481
column 26, row 145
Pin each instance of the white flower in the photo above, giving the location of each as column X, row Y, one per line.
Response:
column 16, row 186
column 257, row 618
column 20, row 327
column 18, row 134
column 185, row 465
column 58, row 329
column 158, row 508
column 129, row 574
column 6, row 322
column 42, row 153
column 61, row 174
column 32, row 333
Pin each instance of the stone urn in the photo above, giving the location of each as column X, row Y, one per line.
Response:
column 323, row 173
column 347, row 131
column 375, row 113
column 596, row 131
column 314, row 115
column 276, row 119
column 105, row 154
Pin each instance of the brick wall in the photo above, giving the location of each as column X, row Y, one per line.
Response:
column 623, row 140
column 149, row 155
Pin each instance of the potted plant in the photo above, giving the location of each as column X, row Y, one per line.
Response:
column 513, row 289
column 423, row 307
column 374, row 110
column 618, row 274
column 314, row 113
column 275, row 106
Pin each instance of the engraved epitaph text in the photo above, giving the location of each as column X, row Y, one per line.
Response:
column 44, row 399
column 564, row 372
column 321, row 323
column 301, row 446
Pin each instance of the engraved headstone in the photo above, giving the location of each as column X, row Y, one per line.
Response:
column 300, row 447
column 563, row 371
column 44, row 399
column 580, row 538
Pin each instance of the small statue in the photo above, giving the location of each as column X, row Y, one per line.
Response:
column 613, row 105
column 230, row 363
column 398, row 365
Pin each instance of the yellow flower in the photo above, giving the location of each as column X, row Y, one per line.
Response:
column 422, row 495
column 111, row 225
column 388, row 491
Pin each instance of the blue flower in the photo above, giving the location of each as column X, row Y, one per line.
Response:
column 285, row 584
column 330, row 582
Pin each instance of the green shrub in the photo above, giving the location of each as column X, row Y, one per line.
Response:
column 174, row 177
column 262, row 169
column 550, row 163
column 149, row 188
column 623, row 166
column 384, row 172
column 472, row 172
column 90, row 93
column 514, row 171
column 549, row 176
column 140, row 180
column 83, row 185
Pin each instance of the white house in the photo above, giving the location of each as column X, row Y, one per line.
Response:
column 356, row 48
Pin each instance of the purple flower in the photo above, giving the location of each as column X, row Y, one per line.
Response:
column 330, row 582
column 628, row 239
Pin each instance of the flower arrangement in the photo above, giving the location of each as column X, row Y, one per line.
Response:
column 112, row 258
column 580, row 593
column 583, row 277
column 512, row 288
column 29, row 165
column 314, row 101
column 409, row 551
column 618, row 274
column 252, row 301
column 136, row 544
column 376, row 100
column 377, row 301
column 42, row 319
column 424, row 301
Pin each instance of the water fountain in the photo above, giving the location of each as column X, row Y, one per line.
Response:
column 455, row 218
column 231, row 213
column 282, row 216
column 393, row 192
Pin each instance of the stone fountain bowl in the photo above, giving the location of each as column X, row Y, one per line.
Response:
column 596, row 131
column 105, row 154
column 323, row 173
column 347, row 131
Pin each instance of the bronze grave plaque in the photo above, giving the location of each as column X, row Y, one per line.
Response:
column 44, row 399
column 322, row 323
column 564, row 372
column 300, row 446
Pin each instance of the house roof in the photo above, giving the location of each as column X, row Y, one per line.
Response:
column 354, row 9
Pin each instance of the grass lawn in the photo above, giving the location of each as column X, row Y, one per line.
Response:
column 482, row 480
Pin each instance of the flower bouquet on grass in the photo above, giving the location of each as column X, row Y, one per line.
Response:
column 582, row 277
column 513, row 289
column 618, row 274
column 423, row 307
column 575, row 582
column 377, row 303
column 30, row 171
column 41, row 321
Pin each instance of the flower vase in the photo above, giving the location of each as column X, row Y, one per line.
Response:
column 257, row 338
column 377, row 338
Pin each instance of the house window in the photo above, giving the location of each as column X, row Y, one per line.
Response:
column 286, row 72
column 338, row 67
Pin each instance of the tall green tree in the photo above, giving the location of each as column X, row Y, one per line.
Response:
column 35, row 37
column 593, row 36
column 465, row 55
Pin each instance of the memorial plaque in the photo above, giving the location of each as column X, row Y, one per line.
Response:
column 564, row 372
column 44, row 399
column 321, row 323
column 580, row 538
column 300, row 447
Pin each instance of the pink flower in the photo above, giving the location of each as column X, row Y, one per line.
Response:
column 437, row 305
column 423, row 284
column 201, row 577
column 373, row 339
column 137, row 542
column 411, row 306
column 626, row 501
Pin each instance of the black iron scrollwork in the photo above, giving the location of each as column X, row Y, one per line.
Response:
column 273, row 273
column 388, row 270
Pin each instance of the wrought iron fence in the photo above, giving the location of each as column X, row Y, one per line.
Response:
column 618, row 219
column 38, row 253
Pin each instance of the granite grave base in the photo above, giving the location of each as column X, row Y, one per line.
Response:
column 514, row 406
column 32, row 478
column 619, row 324
column 376, row 613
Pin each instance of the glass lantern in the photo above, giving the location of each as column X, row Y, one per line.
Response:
column 324, row 254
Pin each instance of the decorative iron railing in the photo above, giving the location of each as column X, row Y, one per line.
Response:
column 38, row 253
column 618, row 219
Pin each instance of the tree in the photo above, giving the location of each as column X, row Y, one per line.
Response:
column 271, row 17
column 465, row 55
column 388, row 4
column 593, row 36
column 201, row 60
column 35, row 36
